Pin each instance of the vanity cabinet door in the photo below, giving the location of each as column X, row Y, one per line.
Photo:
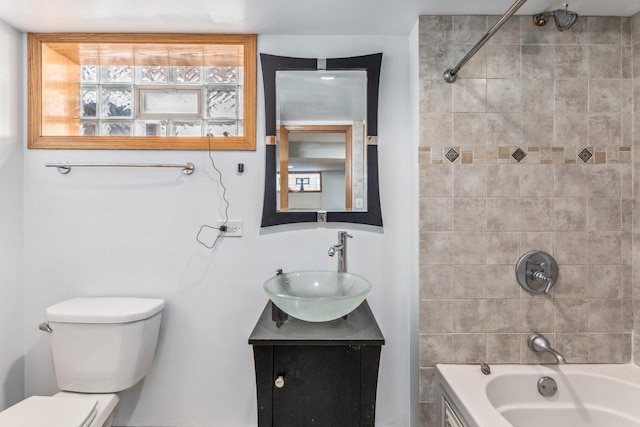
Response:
column 322, row 374
column 321, row 386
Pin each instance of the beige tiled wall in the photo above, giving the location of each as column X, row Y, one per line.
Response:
column 552, row 95
column 635, row 40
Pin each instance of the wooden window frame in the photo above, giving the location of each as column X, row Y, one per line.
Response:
column 36, row 139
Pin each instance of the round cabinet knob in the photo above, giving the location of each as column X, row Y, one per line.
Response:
column 279, row 382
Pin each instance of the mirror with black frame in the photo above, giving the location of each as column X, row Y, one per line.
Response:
column 321, row 119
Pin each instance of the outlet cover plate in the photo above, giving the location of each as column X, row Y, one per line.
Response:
column 234, row 228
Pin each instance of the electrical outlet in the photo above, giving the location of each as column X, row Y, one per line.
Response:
column 234, row 228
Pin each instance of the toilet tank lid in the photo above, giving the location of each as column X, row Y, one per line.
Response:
column 104, row 310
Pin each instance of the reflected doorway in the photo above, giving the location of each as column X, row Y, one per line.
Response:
column 320, row 168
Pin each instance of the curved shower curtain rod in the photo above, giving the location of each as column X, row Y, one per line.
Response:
column 451, row 74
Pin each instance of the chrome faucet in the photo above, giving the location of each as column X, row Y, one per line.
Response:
column 341, row 249
column 538, row 342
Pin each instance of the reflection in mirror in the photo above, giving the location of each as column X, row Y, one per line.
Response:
column 329, row 156
column 321, row 139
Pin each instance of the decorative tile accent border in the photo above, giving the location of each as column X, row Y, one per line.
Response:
column 528, row 155
column 585, row 155
column 519, row 155
column 452, row 155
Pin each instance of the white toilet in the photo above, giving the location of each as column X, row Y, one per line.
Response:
column 100, row 346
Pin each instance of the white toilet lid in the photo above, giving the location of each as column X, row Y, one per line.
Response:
column 39, row 411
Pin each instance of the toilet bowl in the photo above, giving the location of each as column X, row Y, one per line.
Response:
column 100, row 346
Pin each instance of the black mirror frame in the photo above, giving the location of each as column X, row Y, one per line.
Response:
column 371, row 64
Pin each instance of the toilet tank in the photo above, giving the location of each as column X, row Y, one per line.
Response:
column 103, row 344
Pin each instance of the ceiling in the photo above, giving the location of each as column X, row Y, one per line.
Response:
column 268, row 16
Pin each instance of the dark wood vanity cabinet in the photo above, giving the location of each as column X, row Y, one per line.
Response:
column 317, row 374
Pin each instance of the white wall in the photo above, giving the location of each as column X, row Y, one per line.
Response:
column 11, row 223
column 334, row 192
column 132, row 232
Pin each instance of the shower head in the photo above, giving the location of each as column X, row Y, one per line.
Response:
column 563, row 18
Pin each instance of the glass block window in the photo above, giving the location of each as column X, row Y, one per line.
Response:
column 115, row 102
column 151, row 127
column 115, row 128
column 152, row 74
column 187, row 74
column 223, row 75
column 222, row 128
column 104, row 97
column 89, row 102
column 222, row 102
column 89, row 74
column 116, row 73
column 302, row 182
column 186, row 128
column 138, row 91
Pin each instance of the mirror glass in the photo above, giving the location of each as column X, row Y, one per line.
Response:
column 321, row 127
column 320, row 144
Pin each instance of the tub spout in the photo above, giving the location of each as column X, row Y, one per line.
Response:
column 539, row 343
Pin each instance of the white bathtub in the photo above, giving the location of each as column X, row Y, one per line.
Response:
column 587, row 396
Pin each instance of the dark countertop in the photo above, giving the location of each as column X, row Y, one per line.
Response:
column 359, row 328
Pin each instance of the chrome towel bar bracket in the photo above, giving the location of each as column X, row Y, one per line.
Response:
column 64, row 167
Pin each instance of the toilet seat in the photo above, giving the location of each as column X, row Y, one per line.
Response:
column 105, row 406
column 38, row 411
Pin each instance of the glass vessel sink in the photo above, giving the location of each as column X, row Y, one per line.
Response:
column 317, row 296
